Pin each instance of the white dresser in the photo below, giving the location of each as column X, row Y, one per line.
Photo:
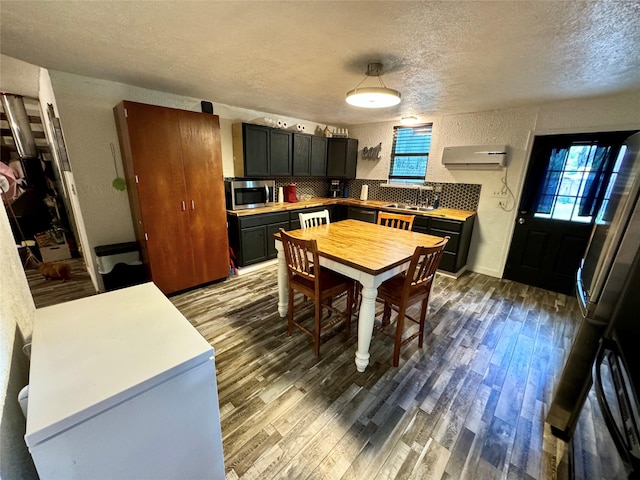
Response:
column 122, row 386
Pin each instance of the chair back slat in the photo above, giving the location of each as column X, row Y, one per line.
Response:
column 424, row 264
column 396, row 220
column 313, row 219
column 301, row 255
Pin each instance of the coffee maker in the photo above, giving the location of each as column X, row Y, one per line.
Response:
column 336, row 189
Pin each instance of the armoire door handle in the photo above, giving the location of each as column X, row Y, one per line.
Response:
column 184, row 206
column 193, row 205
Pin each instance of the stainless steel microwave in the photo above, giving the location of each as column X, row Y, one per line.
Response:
column 241, row 194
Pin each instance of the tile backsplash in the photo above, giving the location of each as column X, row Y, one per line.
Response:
column 464, row 196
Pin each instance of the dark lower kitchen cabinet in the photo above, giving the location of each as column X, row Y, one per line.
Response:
column 339, row 213
column 251, row 236
column 294, row 219
column 342, row 156
column 362, row 214
column 459, row 233
column 309, row 155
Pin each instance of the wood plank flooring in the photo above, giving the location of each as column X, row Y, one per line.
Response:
column 469, row 405
column 50, row 292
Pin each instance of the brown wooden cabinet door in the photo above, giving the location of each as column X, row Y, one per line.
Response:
column 156, row 161
column 202, row 162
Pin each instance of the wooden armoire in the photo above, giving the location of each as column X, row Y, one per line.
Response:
column 173, row 169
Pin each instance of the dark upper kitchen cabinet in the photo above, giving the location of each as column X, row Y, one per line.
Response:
column 309, row 155
column 342, row 155
column 173, row 168
column 318, row 156
column 260, row 151
column 256, row 150
column 280, row 152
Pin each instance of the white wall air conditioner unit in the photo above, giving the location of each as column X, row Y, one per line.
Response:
column 480, row 157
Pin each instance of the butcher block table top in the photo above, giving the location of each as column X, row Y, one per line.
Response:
column 365, row 246
column 447, row 213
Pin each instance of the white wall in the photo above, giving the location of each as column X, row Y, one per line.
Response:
column 86, row 106
column 514, row 127
column 16, row 309
column 18, row 77
column 46, row 97
column 16, row 318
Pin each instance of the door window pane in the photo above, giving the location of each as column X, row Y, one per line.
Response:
column 568, row 173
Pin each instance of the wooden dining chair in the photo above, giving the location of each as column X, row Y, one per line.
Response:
column 396, row 220
column 402, row 291
column 313, row 219
column 393, row 220
column 320, row 285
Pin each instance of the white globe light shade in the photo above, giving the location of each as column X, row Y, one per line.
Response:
column 373, row 97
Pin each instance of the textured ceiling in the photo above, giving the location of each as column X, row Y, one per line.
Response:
column 300, row 58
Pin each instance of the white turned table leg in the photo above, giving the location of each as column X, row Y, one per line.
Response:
column 283, row 290
column 365, row 326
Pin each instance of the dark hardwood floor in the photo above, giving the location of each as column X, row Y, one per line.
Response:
column 469, row 405
column 50, row 292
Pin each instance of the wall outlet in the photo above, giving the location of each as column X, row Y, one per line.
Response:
column 437, row 189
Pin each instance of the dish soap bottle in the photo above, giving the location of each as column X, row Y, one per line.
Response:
column 436, row 202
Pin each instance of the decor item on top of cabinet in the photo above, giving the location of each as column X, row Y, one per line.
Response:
column 173, row 166
column 281, row 124
column 327, row 132
column 300, row 127
column 372, row 153
column 341, row 133
column 266, row 121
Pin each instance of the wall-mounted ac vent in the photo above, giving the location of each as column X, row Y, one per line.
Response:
column 480, row 157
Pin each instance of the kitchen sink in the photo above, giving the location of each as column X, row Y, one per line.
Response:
column 406, row 206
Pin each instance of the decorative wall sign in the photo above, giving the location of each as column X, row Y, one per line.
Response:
column 372, row 153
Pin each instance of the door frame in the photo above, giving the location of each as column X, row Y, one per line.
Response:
column 525, row 168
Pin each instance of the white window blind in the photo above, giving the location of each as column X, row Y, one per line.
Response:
column 410, row 153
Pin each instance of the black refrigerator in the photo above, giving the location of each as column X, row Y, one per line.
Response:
column 608, row 291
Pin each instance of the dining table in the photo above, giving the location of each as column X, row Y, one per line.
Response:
column 366, row 252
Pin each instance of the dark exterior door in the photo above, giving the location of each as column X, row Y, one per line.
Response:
column 564, row 186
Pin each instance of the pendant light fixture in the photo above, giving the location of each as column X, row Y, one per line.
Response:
column 373, row 97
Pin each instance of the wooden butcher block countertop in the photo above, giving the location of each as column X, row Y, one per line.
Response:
column 448, row 213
